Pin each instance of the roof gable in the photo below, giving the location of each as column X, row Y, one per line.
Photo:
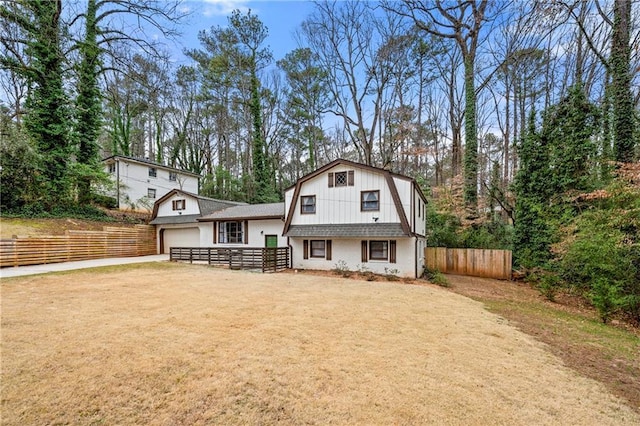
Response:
column 205, row 205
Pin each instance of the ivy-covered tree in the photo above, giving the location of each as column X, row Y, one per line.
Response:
column 568, row 129
column 88, row 106
column 47, row 119
column 532, row 236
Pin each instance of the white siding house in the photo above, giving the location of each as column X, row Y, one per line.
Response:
column 176, row 215
column 347, row 214
column 139, row 182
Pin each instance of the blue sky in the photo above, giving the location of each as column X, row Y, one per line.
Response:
column 281, row 17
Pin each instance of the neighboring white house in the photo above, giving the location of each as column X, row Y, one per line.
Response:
column 140, row 182
column 176, row 217
column 354, row 216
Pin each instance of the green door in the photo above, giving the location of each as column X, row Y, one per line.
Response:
column 271, row 241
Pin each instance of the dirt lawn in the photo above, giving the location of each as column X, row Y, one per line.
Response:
column 187, row 344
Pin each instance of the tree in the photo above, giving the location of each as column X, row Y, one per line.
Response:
column 47, row 120
column 620, row 59
column 532, row 236
column 568, row 129
column 344, row 38
column 307, row 98
column 249, row 34
column 461, row 22
column 88, row 105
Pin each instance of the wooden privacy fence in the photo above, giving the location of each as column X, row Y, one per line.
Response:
column 79, row 245
column 265, row 259
column 471, row 262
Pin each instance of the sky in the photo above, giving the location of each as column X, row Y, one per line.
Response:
column 281, row 17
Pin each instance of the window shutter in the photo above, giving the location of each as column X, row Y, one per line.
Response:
column 305, row 249
column 330, row 180
column 392, row 251
column 328, row 249
column 350, row 178
column 245, row 230
column 365, row 253
column 184, row 204
column 215, row 232
column 174, row 205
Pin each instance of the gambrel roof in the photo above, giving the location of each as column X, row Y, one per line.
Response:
column 389, row 178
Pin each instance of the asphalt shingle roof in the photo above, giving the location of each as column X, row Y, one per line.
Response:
column 347, row 230
column 187, row 218
column 272, row 210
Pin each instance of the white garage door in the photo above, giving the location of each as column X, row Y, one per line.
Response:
column 183, row 237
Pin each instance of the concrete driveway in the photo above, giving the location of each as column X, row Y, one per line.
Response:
column 82, row 264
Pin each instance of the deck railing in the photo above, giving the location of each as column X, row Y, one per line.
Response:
column 262, row 258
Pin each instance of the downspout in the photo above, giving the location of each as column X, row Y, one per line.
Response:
column 118, row 183
column 415, row 248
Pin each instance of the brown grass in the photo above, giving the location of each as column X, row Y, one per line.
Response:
column 571, row 329
column 187, row 344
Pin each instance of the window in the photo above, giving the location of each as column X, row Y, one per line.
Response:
column 153, row 172
column 308, row 204
column 379, row 250
column 341, row 179
column 179, row 204
column 370, row 201
column 231, row 232
column 317, row 248
column 151, row 193
column 173, row 176
column 112, row 168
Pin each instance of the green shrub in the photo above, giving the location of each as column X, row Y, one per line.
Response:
column 436, row 277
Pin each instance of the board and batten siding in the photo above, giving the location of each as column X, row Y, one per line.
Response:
column 166, row 208
column 339, row 205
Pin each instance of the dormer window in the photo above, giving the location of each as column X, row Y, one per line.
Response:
column 153, row 172
column 341, row 179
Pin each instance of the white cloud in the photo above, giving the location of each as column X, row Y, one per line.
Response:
column 223, row 7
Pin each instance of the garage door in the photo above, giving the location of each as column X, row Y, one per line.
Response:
column 183, row 237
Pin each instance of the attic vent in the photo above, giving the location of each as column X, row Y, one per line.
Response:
column 341, row 179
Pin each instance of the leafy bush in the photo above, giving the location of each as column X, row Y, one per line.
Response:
column 436, row 277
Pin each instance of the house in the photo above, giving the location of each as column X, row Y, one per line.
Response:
column 176, row 215
column 140, row 182
column 343, row 215
column 359, row 217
